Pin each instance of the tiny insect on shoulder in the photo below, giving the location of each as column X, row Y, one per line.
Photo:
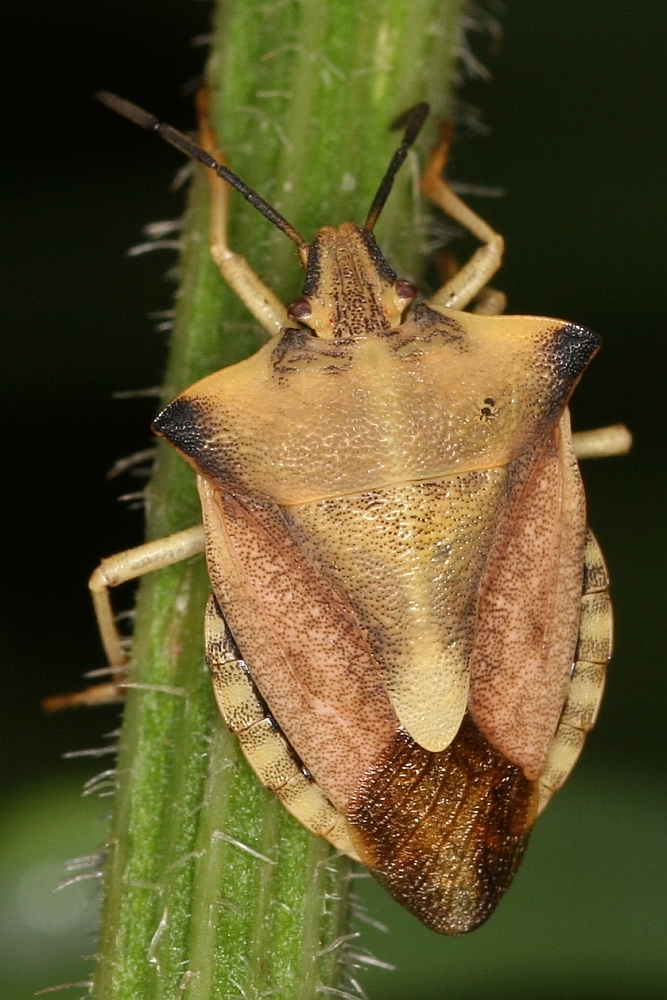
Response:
column 409, row 622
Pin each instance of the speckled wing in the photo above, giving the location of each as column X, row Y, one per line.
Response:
column 301, row 641
column 528, row 620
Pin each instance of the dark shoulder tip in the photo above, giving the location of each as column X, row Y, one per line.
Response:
column 573, row 349
column 181, row 424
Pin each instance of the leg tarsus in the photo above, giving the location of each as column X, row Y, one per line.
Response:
column 96, row 694
column 111, row 572
column 603, row 442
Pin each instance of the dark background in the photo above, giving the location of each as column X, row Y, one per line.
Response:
column 578, row 141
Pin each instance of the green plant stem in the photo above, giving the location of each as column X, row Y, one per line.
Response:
column 211, row 889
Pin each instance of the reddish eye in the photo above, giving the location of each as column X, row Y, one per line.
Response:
column 405, row 289
column 300, row 309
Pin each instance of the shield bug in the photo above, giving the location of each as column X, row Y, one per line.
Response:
column 409, row 622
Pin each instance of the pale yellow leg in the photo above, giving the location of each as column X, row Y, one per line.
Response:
column 602, row 442
column 490, row 302
column 471, row 279
column 265, row 306
column 588, row 675
column 264, row 746
column 111, row 572
column 487, row 302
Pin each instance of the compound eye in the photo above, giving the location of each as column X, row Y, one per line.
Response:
column 406, row 290
column 300, row 309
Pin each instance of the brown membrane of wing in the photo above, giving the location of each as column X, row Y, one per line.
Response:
column 444, row 832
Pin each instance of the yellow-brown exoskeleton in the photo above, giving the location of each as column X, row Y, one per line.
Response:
column 409, row 622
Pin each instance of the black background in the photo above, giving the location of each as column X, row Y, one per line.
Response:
column 578, row 142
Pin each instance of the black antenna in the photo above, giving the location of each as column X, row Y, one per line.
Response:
column 180, row 141
column 413, row 119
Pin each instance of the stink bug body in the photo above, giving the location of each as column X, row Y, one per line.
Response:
column 409, row 622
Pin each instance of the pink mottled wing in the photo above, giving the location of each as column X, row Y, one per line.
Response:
column 528, row 618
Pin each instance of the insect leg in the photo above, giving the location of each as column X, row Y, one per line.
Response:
column 111, row 572
column 471, row 279
column 265, row 306
column 588, row 674
column 602, row 442
column 263, row 744
column 488, row 302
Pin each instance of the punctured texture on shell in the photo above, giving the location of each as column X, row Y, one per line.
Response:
column 395, row 536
